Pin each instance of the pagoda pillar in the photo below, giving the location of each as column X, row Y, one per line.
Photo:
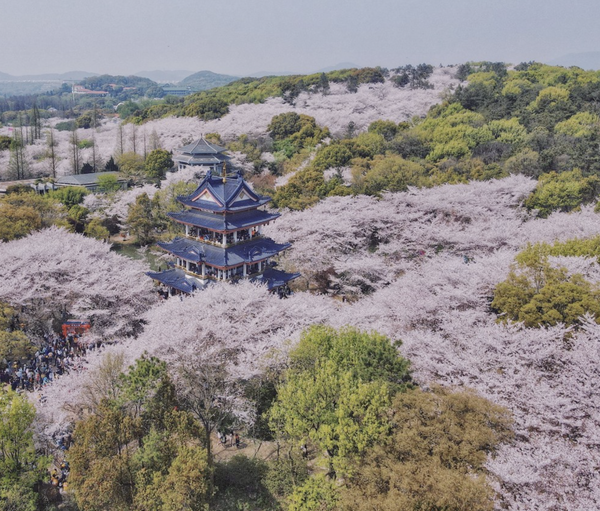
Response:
column 187, row 230
column 203, row 270
column 235, row 236
column 245, row 271
column 187, row 265
column 224, row 239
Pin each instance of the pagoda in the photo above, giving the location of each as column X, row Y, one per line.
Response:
column 200, row 153
column 223, row 239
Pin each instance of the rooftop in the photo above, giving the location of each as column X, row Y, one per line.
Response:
column 218, row 195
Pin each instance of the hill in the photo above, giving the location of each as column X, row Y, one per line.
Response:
column 204, row 80
column 162, row 76
column 68, row 76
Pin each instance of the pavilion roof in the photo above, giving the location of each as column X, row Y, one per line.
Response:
column 251, row 251
column 201, row 146
column 191, row 159
column 218, row 194
column 178, row 279
column 275, row 278
column 224, row 223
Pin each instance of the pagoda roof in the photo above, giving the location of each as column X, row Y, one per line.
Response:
column 180, row 280
column 275, row 278
column 201, row 146
column 201, row 160
column 252, row 251
column 177, row 279
column 218, row 194
column 224, row 223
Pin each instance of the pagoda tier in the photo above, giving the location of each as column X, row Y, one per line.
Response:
column 222, row 223
column 223, row 194
column 200, row 153
column 250, row 252
column 180, row 280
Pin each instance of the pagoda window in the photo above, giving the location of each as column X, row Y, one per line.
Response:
column 230, row 239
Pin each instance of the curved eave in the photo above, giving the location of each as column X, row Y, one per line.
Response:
column 213, row 208
column 177, row 279
column 223, row 223
column 249, row 252
column 275, row 278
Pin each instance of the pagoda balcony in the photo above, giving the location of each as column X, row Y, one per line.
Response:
column 210, row 273
column 230, row 239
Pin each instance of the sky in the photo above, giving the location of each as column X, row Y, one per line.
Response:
column 241, row 37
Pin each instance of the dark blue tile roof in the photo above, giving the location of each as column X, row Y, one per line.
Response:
column 213, row 194
column 177, row 279
column 275, row 278
column 221, row 223
column 252, row 251
column 201, row 146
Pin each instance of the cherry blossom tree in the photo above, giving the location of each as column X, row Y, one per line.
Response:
column 53, row 273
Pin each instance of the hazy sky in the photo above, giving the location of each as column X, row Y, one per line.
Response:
column 244, row 36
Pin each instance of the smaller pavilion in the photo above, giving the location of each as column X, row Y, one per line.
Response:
column 201, row 153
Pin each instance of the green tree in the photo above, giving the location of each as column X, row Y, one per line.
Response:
column 540, row 295
column 562, row 192
column 96, row 229
column 141, row 219
column 101, row 458
column 17, row 221
column 284, row 125
column 316, row 494
column 336, row 392
column 387, row 129
column 157, row 164
column 21, row 470
column 391, row 173
column 434, row 457
column 334, row 155
column 70, row 195
column 108, row 183
column 131, row 165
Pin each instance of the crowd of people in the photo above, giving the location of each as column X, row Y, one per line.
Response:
column 57, row 355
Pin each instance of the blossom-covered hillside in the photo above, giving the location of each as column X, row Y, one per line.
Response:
column 428, row 261
column 335, row 110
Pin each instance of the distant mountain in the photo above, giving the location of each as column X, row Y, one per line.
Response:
column 587, row 60
column 204, row 80
column 260, row 74
column 341, row 65
column 162, row 76
column 70, row 76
